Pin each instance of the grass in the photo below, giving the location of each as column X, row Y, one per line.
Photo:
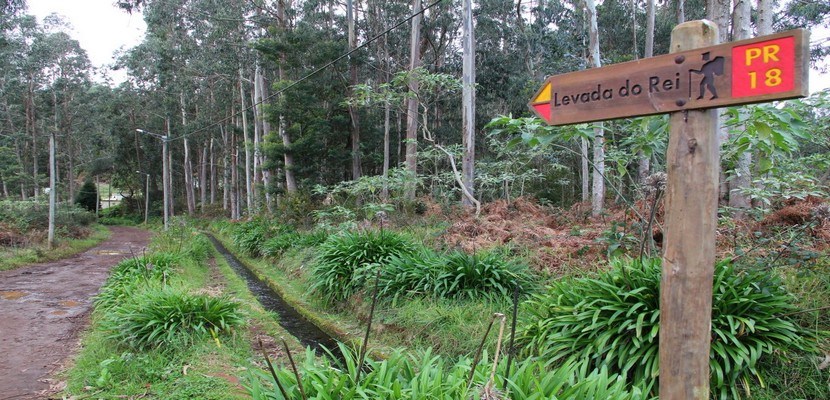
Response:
column 19, row 257
column 203, row 368
column 451, row 327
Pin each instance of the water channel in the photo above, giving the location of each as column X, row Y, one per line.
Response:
column 305, row 331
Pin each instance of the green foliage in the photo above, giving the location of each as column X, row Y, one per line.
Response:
column 170, row 317
column 767, row 131
column 249, row 236
column 345, row 261
column 456, row 275
column 620, row 239
column 131, row 274
column 87, row 197
column 612, row 321
column 427, row 376
column 30, row 215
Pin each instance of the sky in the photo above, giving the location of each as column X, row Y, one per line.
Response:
column 102, row 28
column 98, row 25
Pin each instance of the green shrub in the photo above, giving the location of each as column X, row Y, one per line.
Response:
column 31, row 215
column 87, row 197
column 613, row 321
column 130, row 274
column 169, row 317
column 249, row 236
column 425, row 376
column 456, row 275
column 346, row 260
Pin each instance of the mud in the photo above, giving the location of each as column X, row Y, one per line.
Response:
column 44, row 307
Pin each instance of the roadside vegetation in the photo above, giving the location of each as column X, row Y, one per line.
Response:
column 23, row 230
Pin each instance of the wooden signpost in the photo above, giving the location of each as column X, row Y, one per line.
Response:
column 690, row 83
column 773, row 67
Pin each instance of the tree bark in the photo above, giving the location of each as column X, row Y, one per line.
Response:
column 259, row 156
column 766, row 8
column 741, row 29
column 249, row 198
column 288, row 157
column 412, row 102
column 644, row 161
column 353, row 114
column 190, row 196
column 468, row 106
column 585, row 169
column 203, row 185
column 598, row 188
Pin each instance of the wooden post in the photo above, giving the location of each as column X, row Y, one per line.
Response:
column 689, row 249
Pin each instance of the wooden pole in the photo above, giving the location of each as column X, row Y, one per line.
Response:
column 689, row 249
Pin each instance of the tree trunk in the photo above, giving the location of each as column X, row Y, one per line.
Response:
column 585, row 169
column 644, row 161
column 355, row 125
column 214, row 179
column 412, row 102
column 259, row 156
column 718, row 11
column 235, row 195
column 248, row 191
column 468, row 105
column 31, row 119
column 681, row 11
column 742, row 29
column 226, row 173
column 766, row 8
column 288, row 157
column 598, row 189
column 203, row 168
column 190, row 196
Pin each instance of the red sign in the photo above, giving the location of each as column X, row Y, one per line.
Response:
column 763, row 68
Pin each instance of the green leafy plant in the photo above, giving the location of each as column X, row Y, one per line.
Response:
column 168, row 316
column 612, row 321
column 345, row 261
column 134, row 273
column 423, row 376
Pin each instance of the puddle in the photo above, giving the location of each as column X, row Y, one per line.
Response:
column 292, row 321
column 58, row 312
column 111, row 252
column 12, row 295
column 70, row 303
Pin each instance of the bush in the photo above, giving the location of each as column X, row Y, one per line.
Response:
column 87, row 197
column 31, row 215
column 130, row 274
column 456, row 275
column 249, row 236
column 346, row 261
column 613, row 321
column 169, row 317
column 426, row 376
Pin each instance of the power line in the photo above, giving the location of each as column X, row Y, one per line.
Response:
column 312, row 73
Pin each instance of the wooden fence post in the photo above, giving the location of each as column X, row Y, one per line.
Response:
column 689, row 240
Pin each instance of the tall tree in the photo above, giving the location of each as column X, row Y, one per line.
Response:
column 412, row 100
column 468, row 82
column 598, row 187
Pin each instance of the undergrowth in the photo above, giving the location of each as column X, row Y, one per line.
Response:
column 612, row 321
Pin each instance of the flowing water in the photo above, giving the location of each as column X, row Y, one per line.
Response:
column 292, row 321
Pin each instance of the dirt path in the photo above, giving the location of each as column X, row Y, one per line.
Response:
column 44, row 307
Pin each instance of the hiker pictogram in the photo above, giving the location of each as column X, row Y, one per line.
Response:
column 709, row 70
